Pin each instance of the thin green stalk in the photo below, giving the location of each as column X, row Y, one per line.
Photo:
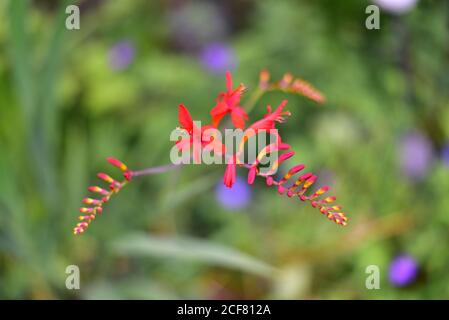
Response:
column 253, row 99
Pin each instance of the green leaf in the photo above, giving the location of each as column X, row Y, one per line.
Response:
column 20, row 53
column 134, row 288
column 193, row 250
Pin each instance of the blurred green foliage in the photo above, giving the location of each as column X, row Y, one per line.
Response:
column 63, row 110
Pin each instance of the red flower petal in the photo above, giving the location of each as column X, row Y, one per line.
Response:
column 229, row 176
column 268, row 121
column 252, row 175
column 184, row 118
column 228, row 81
column 239, row 116
column 218, row 112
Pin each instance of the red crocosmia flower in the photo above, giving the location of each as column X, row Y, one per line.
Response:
column 294, row 183
column 201, row 137
column 229, row 102
column 269, row 120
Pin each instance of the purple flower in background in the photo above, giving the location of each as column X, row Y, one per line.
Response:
column 218, row 57
column 445, row 154
column 403, row 270
column 121, row 55
column 193, row 24
column 416, row 155
column 396, row 6
column 236, row 197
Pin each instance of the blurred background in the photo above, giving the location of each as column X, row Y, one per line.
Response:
column 71, row 98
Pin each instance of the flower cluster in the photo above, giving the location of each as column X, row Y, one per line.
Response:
column 299, row 188
column 95, row 206
column 228, row 103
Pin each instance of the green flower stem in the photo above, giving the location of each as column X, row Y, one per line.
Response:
column 253, row 99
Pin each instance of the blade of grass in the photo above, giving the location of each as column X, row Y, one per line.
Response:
column 131, row 288
column 46, row 118
column 192, row 250
column 50, row 72
column 38, row 98
column 20, row 53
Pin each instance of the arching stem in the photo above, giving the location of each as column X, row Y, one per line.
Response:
column 155, row 170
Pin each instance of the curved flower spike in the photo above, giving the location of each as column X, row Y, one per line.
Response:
column 299, row 187
column 333, row 213
column 307, row 90
column 95, row 206
column 289, row 84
